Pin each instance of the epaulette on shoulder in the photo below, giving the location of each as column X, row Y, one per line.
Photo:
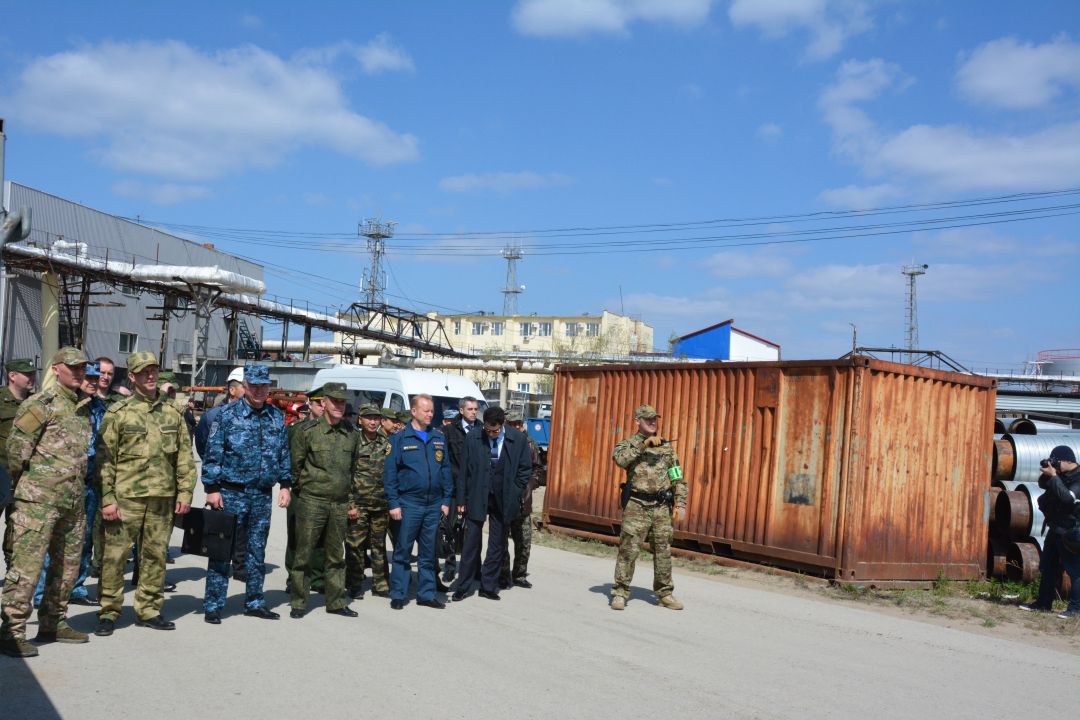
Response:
column 118, row 404
column 309, row 423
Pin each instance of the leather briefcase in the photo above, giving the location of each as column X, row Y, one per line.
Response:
column 209, row 533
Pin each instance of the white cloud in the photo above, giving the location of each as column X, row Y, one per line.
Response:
column 569, row 18
column 169, row 110
column 317, row 199
column 954, row 158
column 854, row 197
column 986, row 242
column 829, row 24
column 251, row 21
column 377, row 56
column 762, row 262
column 502, row 183
column 770, row 132
column 165, row 194
column 1008, row 74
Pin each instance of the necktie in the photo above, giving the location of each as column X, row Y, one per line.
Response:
column 494, row 452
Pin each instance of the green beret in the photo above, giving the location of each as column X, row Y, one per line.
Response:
column 21, row 366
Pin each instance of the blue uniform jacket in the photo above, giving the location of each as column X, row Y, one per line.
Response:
column 97, row 412
column 417, row 472
column 202, row 429
column 247, row 447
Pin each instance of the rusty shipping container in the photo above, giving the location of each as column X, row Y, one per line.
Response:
column 854, row 469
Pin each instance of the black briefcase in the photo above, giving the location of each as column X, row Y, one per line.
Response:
column 209, row 533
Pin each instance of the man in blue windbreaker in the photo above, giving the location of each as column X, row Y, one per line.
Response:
column 247, row 453
column 418, row 485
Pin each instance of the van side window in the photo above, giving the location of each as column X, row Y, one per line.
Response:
column 363, row 397
column 396, row 402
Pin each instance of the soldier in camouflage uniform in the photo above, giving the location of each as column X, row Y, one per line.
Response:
column 389, row 421
column 146, row 471
column 324, row 453
column 247, row 453
column 21, row 376
column 368, row 512
column 47, row 455
column 318, row 556
column 652, row 469
column 521, row 528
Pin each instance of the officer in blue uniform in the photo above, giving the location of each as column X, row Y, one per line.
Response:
column 418, row 486
column 247, row 453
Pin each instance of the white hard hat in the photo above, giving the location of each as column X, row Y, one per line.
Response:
column 237, row 375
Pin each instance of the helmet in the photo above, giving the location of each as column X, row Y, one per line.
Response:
column 1071, row 541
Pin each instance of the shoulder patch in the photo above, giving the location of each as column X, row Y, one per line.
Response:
column 308, row 424
column 32, row 419
column 388, row 448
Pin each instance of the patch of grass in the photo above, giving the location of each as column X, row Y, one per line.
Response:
column 989, row 623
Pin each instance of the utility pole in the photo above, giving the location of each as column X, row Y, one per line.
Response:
column 511, row 253
column 912, row 271
column 373, row 283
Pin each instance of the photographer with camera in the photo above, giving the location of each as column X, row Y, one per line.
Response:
column 654, row 487
column 1061, row 549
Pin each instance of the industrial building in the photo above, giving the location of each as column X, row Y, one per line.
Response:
column 112, row 320
column 724, row 341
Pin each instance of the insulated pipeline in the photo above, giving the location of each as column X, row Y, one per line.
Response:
column 1031, row 449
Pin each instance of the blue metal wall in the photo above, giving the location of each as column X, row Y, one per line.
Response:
column 714, row 344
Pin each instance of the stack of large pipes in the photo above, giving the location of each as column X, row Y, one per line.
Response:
column 1017, row 527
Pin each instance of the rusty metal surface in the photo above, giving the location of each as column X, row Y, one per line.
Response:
column 996, row 550
column 1004, row 459
column 1013, row 514
column 857, row 469
column 1022, row 562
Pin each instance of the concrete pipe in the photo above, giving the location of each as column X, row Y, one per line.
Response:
column 1004, row 459
column 996, row 550
column 1022, row 562
column 1013, row 514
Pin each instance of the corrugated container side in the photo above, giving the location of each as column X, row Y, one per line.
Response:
column 874, row 471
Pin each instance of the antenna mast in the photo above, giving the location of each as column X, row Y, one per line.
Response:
column 912, row 271
column 373, row 282
column 512, row 253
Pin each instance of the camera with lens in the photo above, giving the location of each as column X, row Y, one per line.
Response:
column 1056, row 464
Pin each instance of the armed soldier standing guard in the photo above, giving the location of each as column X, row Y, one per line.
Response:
column 324, row 454
column 47, row 456
column 368, row 512
column 654, row 483
column 147, row 474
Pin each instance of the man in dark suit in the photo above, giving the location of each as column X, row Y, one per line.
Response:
column 460, row 426
column 495, row 471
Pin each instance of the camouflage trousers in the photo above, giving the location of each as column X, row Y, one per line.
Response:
column 99, row 541
column 318, row 557
column 9, row 535
column 315, row 519
column 368, row 532
column 521, row 534
column 40, row 530
column 148, row 522
column 640, row 522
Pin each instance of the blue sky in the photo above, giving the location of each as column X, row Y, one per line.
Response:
column 540, row 114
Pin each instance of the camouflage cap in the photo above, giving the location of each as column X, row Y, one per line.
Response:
column 335, row 390
column 646, row 412
column 167, row 377
column 256, row 374
column 389, row 414
column 369, row 409
column 137, row 362
column 21, row 366
column 93, row 370
column 514, row 417
column 449, row 414
column 69, row 356
column 315, row 393
column 404, row 416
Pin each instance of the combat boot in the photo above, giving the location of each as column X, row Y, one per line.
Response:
column 17, row 647
column 670, row 603
column 618, row 603
column 62, row 634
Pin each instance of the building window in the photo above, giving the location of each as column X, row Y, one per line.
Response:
column 128, row 343
column 523, row 387
column 478, row 328
column 457, row 327
column 545, row 330
column 571, row 329
column 497, row 328
column 524, row 329
column 592, row 329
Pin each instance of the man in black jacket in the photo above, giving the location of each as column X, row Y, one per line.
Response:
column 1060, row 505
column 494, row 474
column 455, row 434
